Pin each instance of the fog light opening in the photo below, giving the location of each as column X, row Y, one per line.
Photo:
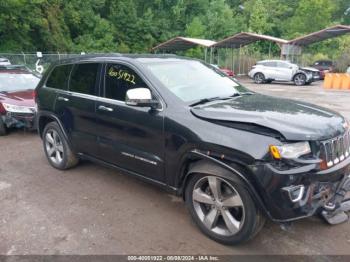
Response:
column 295, row 193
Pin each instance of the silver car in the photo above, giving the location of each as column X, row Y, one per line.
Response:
column 4, row 61
column 278, row 70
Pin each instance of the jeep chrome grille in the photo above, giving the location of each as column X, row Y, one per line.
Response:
column 335, row 150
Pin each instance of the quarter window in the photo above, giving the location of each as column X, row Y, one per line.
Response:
column 119, row 79
column 270, row 64
column 59, row 77
column 83, row 78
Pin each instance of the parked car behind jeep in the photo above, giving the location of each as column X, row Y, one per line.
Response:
column 17, row 105
column 236, row 157
column 278, row 70
column 325, row 66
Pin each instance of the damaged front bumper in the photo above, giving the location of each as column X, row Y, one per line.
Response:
column 20, row 120
column 302, row 192
column 335, row 209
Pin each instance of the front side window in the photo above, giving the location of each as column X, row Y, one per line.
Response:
column 119, row 79
column 83, row 78
column 59, row 77
column 192, row 80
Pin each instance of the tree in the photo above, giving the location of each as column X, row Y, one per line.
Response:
column 258, row 19
column 310, row 16
column 195, row 28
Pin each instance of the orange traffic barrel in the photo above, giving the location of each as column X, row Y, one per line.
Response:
column 337, row 81
column 328, row 79
column 345, row 83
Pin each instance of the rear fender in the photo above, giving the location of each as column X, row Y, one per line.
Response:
column 46, row 114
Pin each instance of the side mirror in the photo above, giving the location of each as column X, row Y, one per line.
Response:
column 140, row 97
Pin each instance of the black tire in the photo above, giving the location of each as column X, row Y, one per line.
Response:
column 3, row 129
column 259, row 78
column 268, row 81
column 66, row 156
column 299, row 79
column 252, row 220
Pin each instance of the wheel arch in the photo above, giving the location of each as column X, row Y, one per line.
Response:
column 207, row 165
column 259, row 72
column 46, row 117
column 297, row 73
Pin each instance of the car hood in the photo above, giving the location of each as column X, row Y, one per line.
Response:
column 295, row 120
column 20, row 98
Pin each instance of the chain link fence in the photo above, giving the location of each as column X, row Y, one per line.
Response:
column 36, row 61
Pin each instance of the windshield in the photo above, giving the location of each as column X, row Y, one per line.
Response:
column 17, row 82
column 193, row 80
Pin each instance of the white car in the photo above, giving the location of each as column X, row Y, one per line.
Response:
column 4, row 62
column 278, row 70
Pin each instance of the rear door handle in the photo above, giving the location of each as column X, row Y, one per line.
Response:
column 61, row 98
column 104, row 108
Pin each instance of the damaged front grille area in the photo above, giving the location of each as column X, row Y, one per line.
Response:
column 334, row 151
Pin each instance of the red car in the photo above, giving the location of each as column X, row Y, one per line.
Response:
column 325, row 66
column 17, row 104
column 228, row 72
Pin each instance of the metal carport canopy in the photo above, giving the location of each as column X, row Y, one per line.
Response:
column 246, row 38
column 183, row 43
column 321, row 35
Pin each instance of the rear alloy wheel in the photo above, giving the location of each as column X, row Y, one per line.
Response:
column 299, row 79
column 224, row 211
column 57, row 149
column 3, row 130
column 259, row 78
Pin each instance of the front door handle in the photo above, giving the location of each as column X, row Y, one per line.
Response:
column 61, row 98
column 104, row 108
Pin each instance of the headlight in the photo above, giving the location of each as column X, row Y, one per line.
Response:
column 290, row 151
column 17, row 109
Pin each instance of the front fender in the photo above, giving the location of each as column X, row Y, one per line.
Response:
column 209, row 165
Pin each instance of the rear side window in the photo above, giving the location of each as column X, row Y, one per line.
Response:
column 119, row 79
column 270, row 64
column 283, row 65
column 83, row 78
column 59, row 77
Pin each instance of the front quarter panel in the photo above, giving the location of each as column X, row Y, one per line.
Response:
column 185, row 133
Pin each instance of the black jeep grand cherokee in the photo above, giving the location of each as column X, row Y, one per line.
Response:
column 235, row 156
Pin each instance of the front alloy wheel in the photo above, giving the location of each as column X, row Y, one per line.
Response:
column 218, row 205
column 300, row 79
column 222, row 209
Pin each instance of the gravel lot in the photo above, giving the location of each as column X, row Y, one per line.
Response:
column 95, row 210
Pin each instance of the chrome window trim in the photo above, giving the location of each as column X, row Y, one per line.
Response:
column 101, row 88
column 94, row 97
